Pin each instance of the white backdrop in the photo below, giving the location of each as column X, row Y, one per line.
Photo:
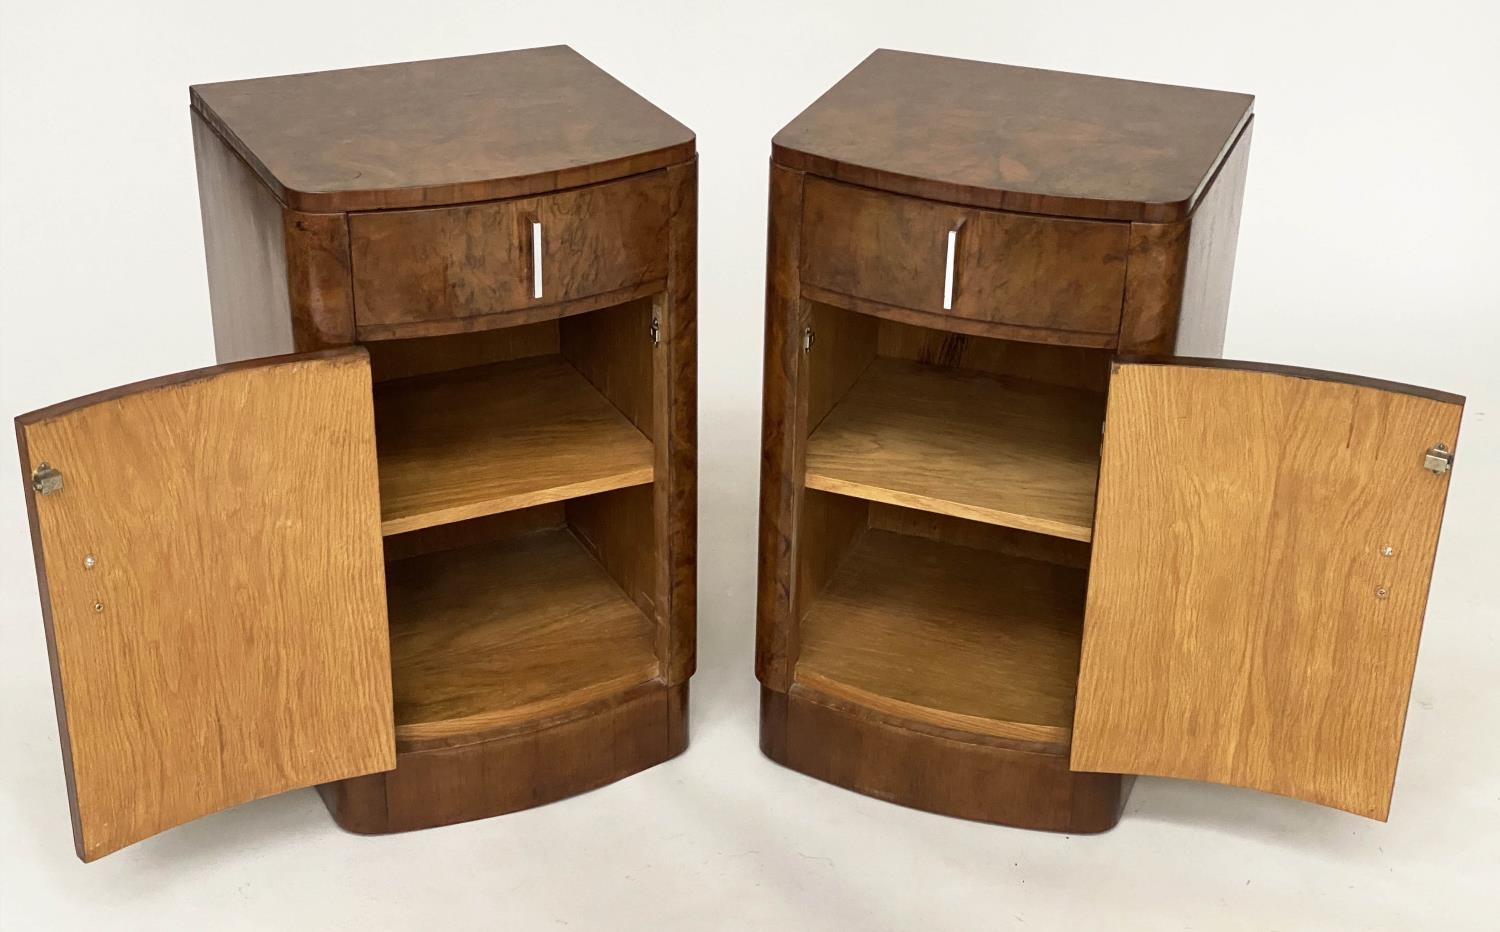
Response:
column 1368, row 244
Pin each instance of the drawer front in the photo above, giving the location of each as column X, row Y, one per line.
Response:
column 1007, row 268
column 476, row 259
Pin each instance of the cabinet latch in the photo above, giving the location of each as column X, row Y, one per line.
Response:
column 46, row 480
column 655, row 331
column 1439, row 459
column 807, row 339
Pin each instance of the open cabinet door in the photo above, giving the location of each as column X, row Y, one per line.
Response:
column 209, row 559
column 1263, row 544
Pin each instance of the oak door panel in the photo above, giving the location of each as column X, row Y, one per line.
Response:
column 475, row 260
column 213, row 589
column 1263, row 545
column 1008, row 268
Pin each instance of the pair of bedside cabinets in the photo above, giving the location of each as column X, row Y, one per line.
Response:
column 425, row 538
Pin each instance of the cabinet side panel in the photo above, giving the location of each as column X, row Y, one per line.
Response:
column 679, row 334
column 783, row 438
column 245, row 247
column 1178, row 274
column 1210, row 262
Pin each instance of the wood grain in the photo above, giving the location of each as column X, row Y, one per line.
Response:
column 401, row 359
column 952, row 636
column 955, row 776
column 220, row 649
column 1243, row 625
column 493, row 639
column 445, row 131
column 494, row 438
column 1069, row 366
column 783, row 436
column 440, row 786
column 1179, row 274
column 1008, row 452
column 612, row 349
column 1009, row 138
column 1014, row 269
column 476, row 260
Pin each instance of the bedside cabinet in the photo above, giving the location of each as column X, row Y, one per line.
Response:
column 1020, row 535
column 425, row 538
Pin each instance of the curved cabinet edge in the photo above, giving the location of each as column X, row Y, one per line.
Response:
column 444, row 786
column 950, row 777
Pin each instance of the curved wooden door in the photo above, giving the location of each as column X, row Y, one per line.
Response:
column 1263, row 545
column 209, row 561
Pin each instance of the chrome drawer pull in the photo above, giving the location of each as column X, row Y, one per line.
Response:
column 948, row 271
column 536, row 259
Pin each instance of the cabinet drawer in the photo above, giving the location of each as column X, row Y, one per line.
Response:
column 468, row 261
column 1007, row 268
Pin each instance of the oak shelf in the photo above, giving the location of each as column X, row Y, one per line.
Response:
column 1000, row 450
column 491, row 639
column 949, row 637
column 479, row 441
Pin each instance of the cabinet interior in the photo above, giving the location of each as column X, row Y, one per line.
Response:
column 944, row 530
column 516, row 482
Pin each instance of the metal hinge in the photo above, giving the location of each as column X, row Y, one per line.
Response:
column 655, row 331
column 46, row 480
column 1439, row 459
column 807, row 339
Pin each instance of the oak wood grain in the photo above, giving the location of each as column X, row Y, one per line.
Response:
column 1244, row 624
column 476, row 260
column 444, row 131
column 1045, row 273
column 229, row 640
column 463, row 444
column 953, row 636
column 968, row 444
column 499, row 637
column 401, row 359
column 999, row 136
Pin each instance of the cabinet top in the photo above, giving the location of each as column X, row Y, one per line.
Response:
column 424, row 133
column 1014, row 138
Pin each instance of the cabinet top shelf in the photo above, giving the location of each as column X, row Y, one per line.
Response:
column 1011, row 138
column 445, row 131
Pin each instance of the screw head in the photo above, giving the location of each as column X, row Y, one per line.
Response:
column 1382, row 592
column 88, row 562
column 98, row 606
column 1387, row 551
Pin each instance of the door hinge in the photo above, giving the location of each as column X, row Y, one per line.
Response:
column 46, row 480
column 1439, row 459
column 655, row 331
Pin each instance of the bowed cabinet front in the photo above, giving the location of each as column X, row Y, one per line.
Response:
column 425, row 538
column 1020, row 534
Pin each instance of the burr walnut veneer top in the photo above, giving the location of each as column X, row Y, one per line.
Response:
column 1021, row 139
column 445, row 131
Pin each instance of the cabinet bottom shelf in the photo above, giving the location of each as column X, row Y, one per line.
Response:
column 966, row 779
column 615, row 738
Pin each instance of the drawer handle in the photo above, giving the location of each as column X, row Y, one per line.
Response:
column 536, row 259
column 948, row 271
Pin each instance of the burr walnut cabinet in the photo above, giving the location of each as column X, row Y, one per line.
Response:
column 1021, row 532
column 425, row 537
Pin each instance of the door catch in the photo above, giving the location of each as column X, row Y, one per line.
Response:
column 46, row 480
column 1439, row 459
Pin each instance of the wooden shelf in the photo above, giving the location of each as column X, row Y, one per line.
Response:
column 949, row 637
column 976, row 446
column 496, row 438
column 498, row 638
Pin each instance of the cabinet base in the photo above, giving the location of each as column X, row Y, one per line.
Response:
column 966, row 779
column 475, row 781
